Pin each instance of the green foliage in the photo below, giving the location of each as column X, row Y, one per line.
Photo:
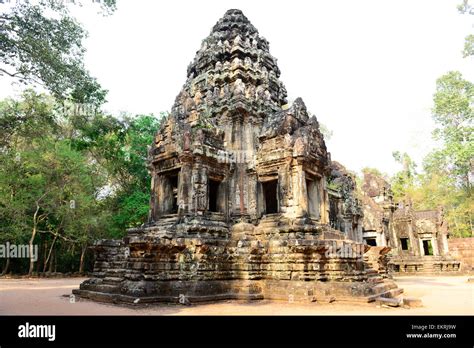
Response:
column 467, row 8
column 369, row 170
column 453, row 113
column 67, row 180
column 403, row 182
column 130, row 203
column 334, row 186
column 468, row 46
column 326, row 132
column 41, row 42
column 447, row 170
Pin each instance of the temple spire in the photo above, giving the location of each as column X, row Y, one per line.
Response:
column 233, row 63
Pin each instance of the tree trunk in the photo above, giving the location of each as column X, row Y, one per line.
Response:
column 55, row 262
column 49, row 254
column 32, row 239
column 83, row 256
column 45, row 252
column 40, row 256
column 7, row 266
column 51, row 261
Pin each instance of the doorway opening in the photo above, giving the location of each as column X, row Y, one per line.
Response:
column 371, row 241
column 213, row 187
column 173, row 182
column 427, row 247
column 270, row 189
column 404, row 243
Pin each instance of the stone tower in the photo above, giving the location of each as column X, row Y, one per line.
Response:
column 239, row 203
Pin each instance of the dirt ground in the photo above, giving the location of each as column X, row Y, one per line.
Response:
column 451, row 295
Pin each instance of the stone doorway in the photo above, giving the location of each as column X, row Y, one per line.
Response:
column 427, row 248
column 371, row 241
column 270, row 189
column 173, row 183
column 214, row 186
column 404, row 242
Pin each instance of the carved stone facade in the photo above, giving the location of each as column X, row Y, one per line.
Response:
column 421, row 242
column 345, row 208
column 378, row 207
column 418, row 239
column 240, row 207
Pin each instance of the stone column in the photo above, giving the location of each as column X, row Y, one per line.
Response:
column 158, row 206
column 434, row 245
column 382, row 240
column 421, row 249
column 413, row 241
column 324, row 202
column 152, row 210
column 252, row 195
column 299, row 192
column 444, row 243
column 199, row 187
column 185, row 202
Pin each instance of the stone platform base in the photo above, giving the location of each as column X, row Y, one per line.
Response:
column 424, row 265
column 269, row 261
column 188, row 292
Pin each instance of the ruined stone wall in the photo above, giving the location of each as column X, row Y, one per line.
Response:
column 463, row 248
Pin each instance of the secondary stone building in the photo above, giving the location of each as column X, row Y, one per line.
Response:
column 418, row 239
column 245, row 201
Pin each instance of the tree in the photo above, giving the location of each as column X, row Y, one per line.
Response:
column 451, row 166
column 128, row 162
column 453, row 113
column 48, row 188
column 467, row 8
column 404, row 182
column 40, row 42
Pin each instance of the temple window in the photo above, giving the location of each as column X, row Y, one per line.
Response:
column 404, row 242
column 270, row 189
column 213, row 190
column 371, row 241
column 170, row 193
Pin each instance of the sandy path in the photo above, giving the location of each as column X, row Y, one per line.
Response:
column 451, row 295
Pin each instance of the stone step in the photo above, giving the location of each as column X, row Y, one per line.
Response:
column 393, row 293
column 412, row 302
column 383, row 287
column 268, row 223
column 375, row 279
column 112, row 280
column 392, row 302
column 105, row 288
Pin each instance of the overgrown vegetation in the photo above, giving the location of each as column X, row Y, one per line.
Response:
column 446, row 179
column 66, row 180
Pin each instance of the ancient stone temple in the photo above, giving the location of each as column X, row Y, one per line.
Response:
column 378, row 208
column 418, row 239
column 240, row 206
column 421, row 242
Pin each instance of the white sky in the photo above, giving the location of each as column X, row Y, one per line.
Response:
column 366, row 69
